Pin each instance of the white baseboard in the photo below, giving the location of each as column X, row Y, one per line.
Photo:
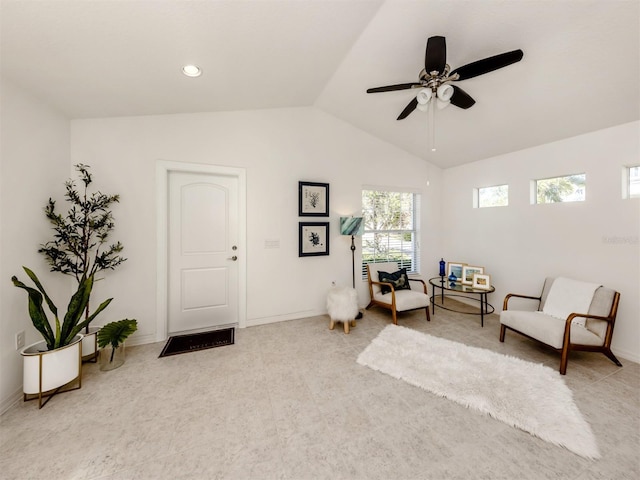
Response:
column 626, row 355
column 142, row 339
column 252, row 322
column 10, row 401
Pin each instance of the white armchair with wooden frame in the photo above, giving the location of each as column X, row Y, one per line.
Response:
column 589, row 328
column 386, row 294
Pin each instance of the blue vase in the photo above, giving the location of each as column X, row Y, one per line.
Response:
column 452, row 280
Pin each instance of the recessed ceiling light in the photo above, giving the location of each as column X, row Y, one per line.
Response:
column 191, row 70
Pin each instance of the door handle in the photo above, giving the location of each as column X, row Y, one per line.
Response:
column 234, row 258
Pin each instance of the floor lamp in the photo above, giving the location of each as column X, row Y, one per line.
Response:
column 352, row 226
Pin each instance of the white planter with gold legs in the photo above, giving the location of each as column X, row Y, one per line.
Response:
column 90, row 345
column 47, row 372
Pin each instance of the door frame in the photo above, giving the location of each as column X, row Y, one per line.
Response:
column 163, row 169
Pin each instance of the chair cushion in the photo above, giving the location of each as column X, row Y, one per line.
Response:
column 374, row 268
column 568, row 296
column 601, row 306
column 405, row 299
column 398, row 279
column 547, row 329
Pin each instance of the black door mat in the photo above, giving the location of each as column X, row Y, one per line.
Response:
column 197, row 341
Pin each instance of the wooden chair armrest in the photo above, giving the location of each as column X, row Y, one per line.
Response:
column 424, row 285
column 517, row 295
column 390, row 285
column 586, row 315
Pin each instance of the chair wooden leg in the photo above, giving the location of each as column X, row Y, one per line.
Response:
column 428, row 316
column 612, row 357
column 503, row 330
column 346, row 326
column 564, row 360
column 369, row 306
column 393, row 315
column 332, row 325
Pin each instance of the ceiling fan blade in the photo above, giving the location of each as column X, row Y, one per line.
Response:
column 489, row 64
column 391, row 88
column 461, row 99
column 408, row 109
column 435, row 57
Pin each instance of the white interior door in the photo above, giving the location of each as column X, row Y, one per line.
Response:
column 203, row 251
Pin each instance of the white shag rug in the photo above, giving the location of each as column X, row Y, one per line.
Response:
column 529, row 396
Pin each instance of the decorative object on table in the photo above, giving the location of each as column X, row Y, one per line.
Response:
column 525, row 395
column 46, row 373
column 468, row 271
column 79, row 247
column 352, row 226
column 481, row 281
column 193, row 342
column 574, row 316
column 313, row 239
column 471, row 297
column 313, row 199
column 342, row 306
column 455, row 268
column 452, row 279
column 443, row 270
column 111, row 339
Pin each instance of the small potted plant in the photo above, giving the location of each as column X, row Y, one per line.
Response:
column 111, row 339
column 54, row 362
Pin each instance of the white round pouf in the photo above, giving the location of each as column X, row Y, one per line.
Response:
column 342, row 306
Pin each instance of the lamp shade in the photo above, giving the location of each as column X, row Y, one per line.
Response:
column 351, row 226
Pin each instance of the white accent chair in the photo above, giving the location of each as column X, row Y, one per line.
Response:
column 395, row 300
column 565, row 335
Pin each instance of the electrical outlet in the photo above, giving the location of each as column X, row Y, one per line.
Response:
column 20, row 340
column 333, row 283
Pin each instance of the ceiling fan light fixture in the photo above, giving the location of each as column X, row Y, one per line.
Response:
column 445, row 92
column 192, row 70
column 423, row 96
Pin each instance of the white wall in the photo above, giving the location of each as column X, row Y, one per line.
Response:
column 34, row 167
column 595, row 240
column 277, row 148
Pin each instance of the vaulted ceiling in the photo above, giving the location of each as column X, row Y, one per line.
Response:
column 104, row 58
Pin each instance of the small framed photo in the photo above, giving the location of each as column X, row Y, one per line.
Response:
column 482, row 281
column 455, row 268
column 468, row 271
column 313, row 199
column 313, row 239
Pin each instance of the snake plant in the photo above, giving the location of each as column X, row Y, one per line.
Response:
column 60, row 334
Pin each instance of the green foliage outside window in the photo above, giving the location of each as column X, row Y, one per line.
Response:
column 389, row 224
column 561, row 189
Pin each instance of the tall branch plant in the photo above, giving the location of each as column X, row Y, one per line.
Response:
column 80, row 247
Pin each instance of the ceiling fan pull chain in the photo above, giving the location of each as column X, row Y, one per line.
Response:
column 432, row 125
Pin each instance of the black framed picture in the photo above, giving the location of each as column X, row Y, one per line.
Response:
column 313, row 199
column 313, row 239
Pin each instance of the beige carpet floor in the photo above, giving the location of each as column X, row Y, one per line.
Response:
column 289, row 401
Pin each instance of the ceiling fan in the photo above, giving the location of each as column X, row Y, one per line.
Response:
column 435, row 78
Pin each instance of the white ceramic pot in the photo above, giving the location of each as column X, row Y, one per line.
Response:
column 46, row 370
column 90, row 344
